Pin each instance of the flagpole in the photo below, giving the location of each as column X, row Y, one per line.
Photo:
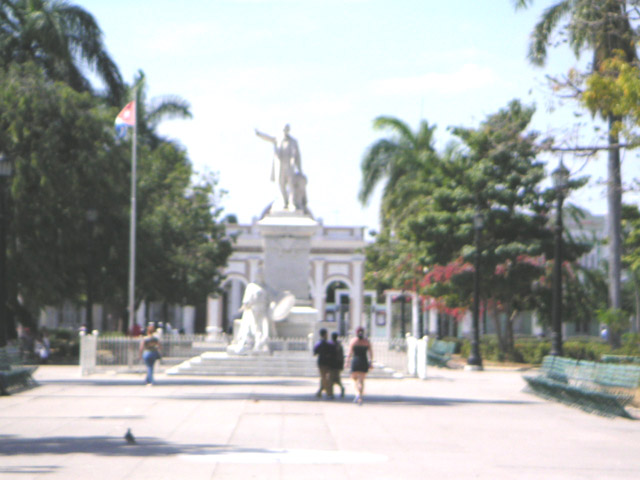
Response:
column 132, row 229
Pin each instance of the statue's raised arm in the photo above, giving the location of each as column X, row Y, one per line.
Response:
column 266, row 137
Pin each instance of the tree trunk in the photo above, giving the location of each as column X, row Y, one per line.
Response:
column 147, row 312
column 165, row 312
column 498, row 328
column 508, row 330
column 636, row 318
column 402, row 308
column 614, row 200
column 511, row 344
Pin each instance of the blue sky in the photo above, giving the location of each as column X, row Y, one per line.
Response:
column 328, row 68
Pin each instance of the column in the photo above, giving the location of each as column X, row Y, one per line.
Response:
column 318, row 280
column 389, row 316
column 357, row 297
column 415, row 320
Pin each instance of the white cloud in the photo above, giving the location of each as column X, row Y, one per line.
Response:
column 469, row 77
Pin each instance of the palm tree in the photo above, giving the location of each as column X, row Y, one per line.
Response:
column 61, row 38
column 152, row 112
column 396, row 160
column 603, row 27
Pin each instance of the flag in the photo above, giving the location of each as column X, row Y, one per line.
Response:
column 126, row 118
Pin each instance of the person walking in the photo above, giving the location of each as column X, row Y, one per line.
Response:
column 150, row 352
column 360, row 358
column 326, row 358
column 338, row 363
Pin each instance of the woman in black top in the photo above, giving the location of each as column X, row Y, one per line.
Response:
column 361, row 357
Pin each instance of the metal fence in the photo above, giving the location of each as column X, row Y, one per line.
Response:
column 99, row 353
column 390, row 353
column 121, row 354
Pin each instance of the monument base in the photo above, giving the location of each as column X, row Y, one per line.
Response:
column 300, row 322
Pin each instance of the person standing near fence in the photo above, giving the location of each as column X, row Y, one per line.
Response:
column 150, row 351
column 43, row 346
column 361, row 358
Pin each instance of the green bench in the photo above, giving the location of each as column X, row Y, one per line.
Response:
column 13, row 373
column 600, row 388
column 439, row 353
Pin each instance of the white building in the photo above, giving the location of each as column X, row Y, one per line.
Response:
column 335, row 279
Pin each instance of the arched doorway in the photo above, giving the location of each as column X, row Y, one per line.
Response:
column 338, row 306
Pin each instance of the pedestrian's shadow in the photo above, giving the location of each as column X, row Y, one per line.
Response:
column 390, row 400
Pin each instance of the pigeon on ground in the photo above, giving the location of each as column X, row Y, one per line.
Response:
column 129, row 437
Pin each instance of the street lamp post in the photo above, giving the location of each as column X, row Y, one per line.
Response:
column 560, row 179
column 474, row 362
column 92, row 217
column 6, row 171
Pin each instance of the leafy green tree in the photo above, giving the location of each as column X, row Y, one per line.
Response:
column 493, row 171
column 182, row 246
column 379, row 257
column 63, row 39
column 400, row 161
column 69, row 203
column 603, row 28
column 65, row 161
column 631, row 257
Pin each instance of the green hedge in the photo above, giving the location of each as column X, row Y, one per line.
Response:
column 532, row 350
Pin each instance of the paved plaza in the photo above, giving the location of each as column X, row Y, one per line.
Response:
column 455, row 424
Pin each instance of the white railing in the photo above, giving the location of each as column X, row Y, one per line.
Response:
column 390, row 353
column 101, row 353
column 98, row 352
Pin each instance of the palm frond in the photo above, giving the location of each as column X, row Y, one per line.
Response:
column 541, row 36
column 374, row 167
column 167, row 107
column 522, row 4
column 401, row 129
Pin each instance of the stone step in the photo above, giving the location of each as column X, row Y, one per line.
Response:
column 298, row 364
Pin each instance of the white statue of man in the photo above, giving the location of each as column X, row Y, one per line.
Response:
column 288, row 170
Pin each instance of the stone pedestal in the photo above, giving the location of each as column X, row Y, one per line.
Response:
column 286, row 238
column 301, row 322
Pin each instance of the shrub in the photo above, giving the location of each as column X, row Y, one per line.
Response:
column 65, row 346
column 532, row 350
column 585, row 349
column 630, row 345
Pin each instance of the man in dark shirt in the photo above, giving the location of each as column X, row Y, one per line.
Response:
column 326, row 353
column 338, row 363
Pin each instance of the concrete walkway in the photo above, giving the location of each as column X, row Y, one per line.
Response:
column 455, row 424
